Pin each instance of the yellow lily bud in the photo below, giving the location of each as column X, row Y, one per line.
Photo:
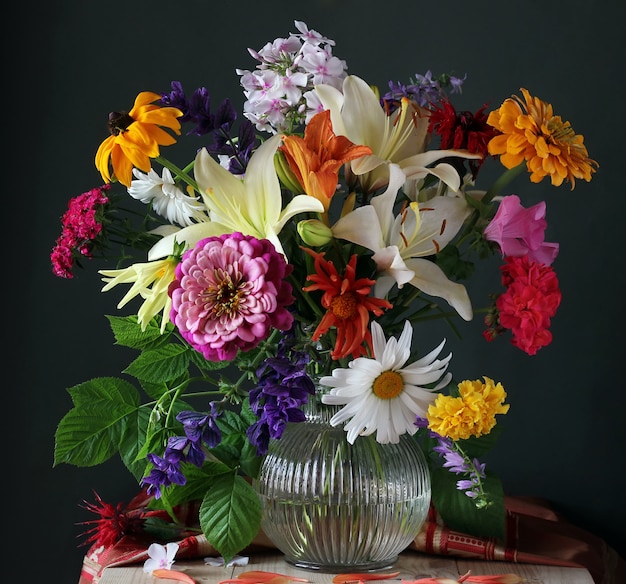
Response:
column 314, row 233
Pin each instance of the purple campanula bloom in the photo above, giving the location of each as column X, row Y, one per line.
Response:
column 163, row 474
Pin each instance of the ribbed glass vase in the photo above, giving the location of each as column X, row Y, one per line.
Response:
column 336, row 507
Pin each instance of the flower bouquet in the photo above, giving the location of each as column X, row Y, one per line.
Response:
column 304, row 244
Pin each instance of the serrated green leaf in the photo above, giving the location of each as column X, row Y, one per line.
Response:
column 249, row 460
column 88, row 436
column 459, row 512
column 155, row 390
column 203, row 364
column 198, row 482
column 230, row 515
column 90, row 432
column 127, row 332
column 160, row 365
column 234, row 440
column 132, row 441
column 105, row 391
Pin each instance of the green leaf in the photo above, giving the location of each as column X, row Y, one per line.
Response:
column 90, row 433
column 132, row 441
column 475, row 447
column 450, row 261
column 127, row 332
column 230, row 449
column 201, row 363
column 156, row 434
column 160, row 365
column 230, row 514
column 198, row 481
column 104, row 391
column 458, row 510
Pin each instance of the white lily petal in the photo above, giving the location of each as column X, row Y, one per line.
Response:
column 190, row 235
column 429, row 278
column 350, row 228
column 332, row 99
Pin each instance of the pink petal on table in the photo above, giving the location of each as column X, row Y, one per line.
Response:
column 346, row 578
column 173, row 575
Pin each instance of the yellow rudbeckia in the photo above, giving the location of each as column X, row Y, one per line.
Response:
column 135, row 138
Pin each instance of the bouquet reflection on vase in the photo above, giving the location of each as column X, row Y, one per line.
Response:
column 280, row 276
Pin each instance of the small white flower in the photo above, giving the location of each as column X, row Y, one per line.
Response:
column 167, row 199
column 161, row 557
column 380, row 394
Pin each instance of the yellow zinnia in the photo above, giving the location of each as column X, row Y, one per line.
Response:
column 135, row 137
column 531, row 132
column 472, row 413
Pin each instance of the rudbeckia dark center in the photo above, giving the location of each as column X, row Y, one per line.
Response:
column 119, row 122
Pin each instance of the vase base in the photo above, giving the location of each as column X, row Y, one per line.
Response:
column 343, row 568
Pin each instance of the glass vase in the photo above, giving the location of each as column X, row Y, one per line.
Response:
column 336, row 507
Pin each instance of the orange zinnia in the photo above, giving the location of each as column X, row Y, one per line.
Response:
column 348, row 305
column 317, row 158
column 135, row 137
column 531, row 132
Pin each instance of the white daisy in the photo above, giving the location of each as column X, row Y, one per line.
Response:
column 167, row 199
column 380, row 394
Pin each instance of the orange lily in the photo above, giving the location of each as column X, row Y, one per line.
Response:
column 317, row 158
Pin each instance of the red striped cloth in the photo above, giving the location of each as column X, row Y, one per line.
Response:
column 535, row 534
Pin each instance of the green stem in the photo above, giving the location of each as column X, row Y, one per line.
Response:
column 178, row 172
column 503, row 180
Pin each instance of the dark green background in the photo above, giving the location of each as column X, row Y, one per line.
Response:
column 75, row 61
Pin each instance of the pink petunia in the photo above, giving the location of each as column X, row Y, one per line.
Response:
column 519, row 231
column 230, row 292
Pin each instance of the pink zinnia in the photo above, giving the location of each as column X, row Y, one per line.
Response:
column 519, row 231
column 230, row 292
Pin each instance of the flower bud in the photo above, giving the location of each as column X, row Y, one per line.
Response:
column 314, row 232
column 285, row 174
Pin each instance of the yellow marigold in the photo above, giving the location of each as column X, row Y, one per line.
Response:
column 135, row 137
column 472, row 413
column 531, row 132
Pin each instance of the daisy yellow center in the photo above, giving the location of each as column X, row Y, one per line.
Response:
column 388, row 385
column 344, row 306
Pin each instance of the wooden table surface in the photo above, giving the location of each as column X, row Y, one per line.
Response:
column 411, row 565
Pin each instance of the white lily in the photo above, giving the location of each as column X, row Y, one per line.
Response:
column 400, row 243
column 252, row 206
column 400, row 138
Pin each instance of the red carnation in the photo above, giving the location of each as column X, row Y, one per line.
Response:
column 530, row 301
